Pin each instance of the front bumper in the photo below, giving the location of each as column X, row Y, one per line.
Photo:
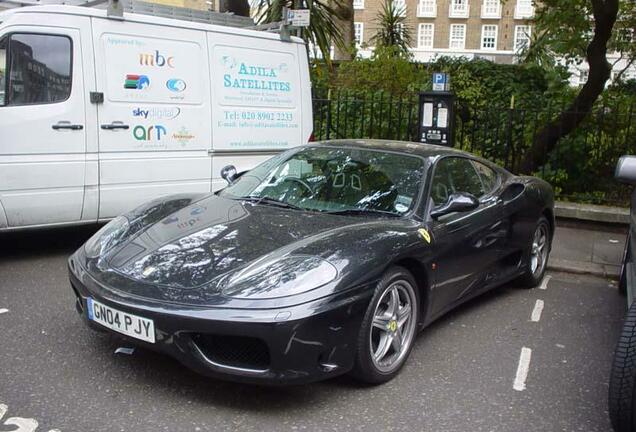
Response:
column 292, row 345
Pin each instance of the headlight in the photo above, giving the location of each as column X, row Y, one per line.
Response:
column 106, row 238
column 284, row 277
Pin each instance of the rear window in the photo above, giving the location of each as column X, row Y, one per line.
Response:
column 35, row 69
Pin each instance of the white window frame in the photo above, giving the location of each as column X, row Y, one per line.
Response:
column 355, row 27
column 420, row 35
column 491, row 9
column 358, row 4
column 427, row 8
column 524, row 9
column 490, row 27
column 400, row 6
column 458, row 9
column 451, row 39
column 527, row 31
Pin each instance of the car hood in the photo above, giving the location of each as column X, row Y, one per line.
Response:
column 192, row 246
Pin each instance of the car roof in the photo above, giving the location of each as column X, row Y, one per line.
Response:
column 413, row 148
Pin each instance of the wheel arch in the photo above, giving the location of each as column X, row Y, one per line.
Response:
column 421, row 275
column 549, row 215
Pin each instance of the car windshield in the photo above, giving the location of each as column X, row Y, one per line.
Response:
column 334, row 180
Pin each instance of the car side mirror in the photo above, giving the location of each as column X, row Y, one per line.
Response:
column 626, row 170
column 229, row 173
column 457, row 202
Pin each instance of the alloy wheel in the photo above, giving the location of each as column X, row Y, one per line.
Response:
column 539, row 252
column 393, row 327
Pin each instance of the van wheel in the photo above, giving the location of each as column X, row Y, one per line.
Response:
column 623, row 377
column 388, row 329
column 538, row 252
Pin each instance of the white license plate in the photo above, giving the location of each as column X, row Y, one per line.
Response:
column 122, row 322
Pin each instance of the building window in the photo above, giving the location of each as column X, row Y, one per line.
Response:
column 425, row 34
column 358, row 4
column 491, row 9
column 458, row 9
column 522, row 38
column 489, row 37
column 524, row 9
column 400, row 6
column 427, row 8
column 457, row 36
column 358, row 33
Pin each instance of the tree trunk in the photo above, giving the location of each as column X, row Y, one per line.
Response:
column 605, row 12
column 238, row 7
column 345, row 9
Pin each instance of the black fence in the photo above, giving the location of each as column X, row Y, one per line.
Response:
column 580, row 168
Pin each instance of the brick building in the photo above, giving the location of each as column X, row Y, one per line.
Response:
column 470, row 28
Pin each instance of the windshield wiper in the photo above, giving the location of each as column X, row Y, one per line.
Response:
column 363, row 212
column 270, row 201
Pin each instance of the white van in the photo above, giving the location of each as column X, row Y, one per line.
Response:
column 99, row 115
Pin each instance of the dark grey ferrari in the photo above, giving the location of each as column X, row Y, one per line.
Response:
column 326, row 259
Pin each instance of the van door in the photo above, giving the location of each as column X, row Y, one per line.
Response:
column 43, row 121
column 154, row 124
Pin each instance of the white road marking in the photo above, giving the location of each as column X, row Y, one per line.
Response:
column 544, row 282
column 536, row 312
column 23, row 424
column 522, row 369
column 3, row 310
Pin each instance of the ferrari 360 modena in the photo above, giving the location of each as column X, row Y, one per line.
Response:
column 326, row 259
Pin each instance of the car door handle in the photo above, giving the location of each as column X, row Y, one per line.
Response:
column 115, row 125
column 67, row 125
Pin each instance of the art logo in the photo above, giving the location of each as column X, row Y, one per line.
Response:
column 150, row 133
column 136, row 82
column 176, row 85
column 155, row 59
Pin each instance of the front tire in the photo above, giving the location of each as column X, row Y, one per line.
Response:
column 623, row 377
column 388, row 329
column 538, row 254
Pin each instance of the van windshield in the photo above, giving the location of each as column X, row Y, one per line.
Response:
column 339, row 180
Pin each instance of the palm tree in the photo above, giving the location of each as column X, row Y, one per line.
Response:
column 392, row 30
column 324, row 28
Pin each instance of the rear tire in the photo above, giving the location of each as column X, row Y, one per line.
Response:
column 388, row 329
column 623, row 377
column 538, row 253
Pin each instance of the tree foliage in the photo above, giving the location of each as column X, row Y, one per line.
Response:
column 392, row 29
column 325, row 20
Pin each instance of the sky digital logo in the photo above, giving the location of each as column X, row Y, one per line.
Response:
column 176, row 85
column 157, row 113
column 136, row 82
column 150, row 133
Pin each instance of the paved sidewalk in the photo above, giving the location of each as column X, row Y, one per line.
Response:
column 587, row 251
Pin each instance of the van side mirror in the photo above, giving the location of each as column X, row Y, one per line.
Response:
column 626, row 170
column 457, row 202
column 229, row 173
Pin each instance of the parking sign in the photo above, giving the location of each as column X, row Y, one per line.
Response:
column 440, row 81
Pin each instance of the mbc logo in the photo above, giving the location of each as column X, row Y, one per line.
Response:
column 150, row 133
column 155, row 59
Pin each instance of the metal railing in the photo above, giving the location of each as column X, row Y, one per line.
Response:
column 580, row 168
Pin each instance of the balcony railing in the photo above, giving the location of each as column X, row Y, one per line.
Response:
column 427, row 10
column 490, row 12
column 458, row 10
column 524, row 11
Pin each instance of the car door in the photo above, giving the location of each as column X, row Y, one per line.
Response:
column 43, row 122
column 467, row 243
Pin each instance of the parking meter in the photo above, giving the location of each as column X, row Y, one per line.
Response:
column 436, row 118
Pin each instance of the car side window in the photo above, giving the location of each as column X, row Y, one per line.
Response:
column 489, row 177
column 36, row 69
column 452, row 175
